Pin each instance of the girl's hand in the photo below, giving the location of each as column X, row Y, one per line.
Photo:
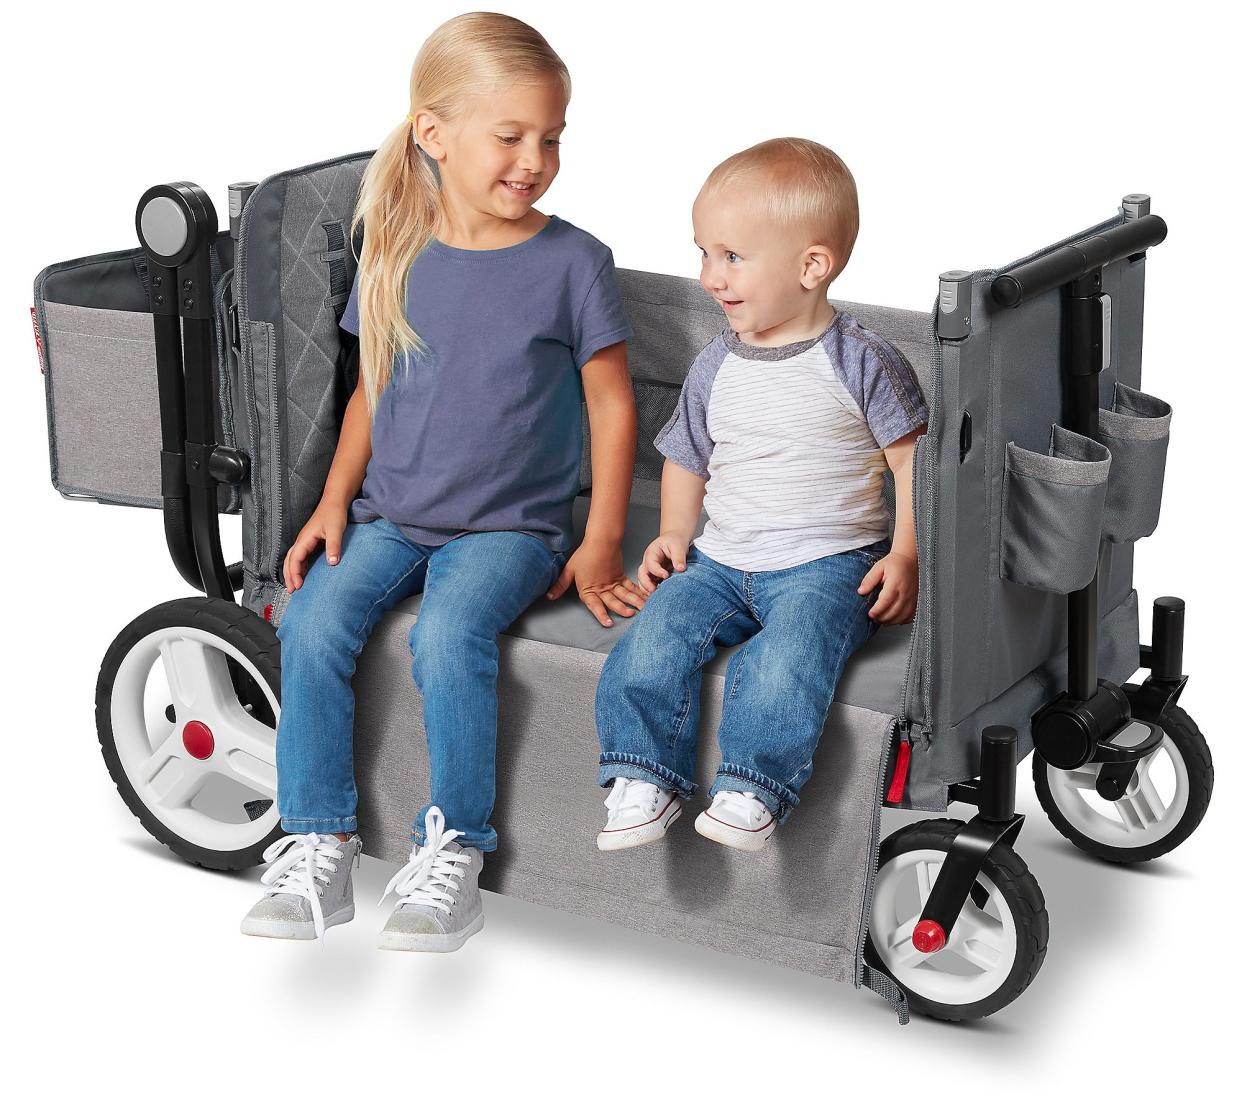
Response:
column 666, row 552
column 326, row 525
column 899, row 595
column 597, row 569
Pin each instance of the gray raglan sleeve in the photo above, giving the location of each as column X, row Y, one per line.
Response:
column 888, row 392
column 684, row 438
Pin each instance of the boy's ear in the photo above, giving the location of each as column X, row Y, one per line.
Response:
column 427, row 132
column 819, row 266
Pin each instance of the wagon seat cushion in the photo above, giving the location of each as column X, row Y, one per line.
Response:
column 874, row 678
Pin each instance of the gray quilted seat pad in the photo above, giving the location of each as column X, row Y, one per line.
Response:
column 874, row 678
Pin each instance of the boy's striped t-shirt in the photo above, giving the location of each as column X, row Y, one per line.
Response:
column 790, row 440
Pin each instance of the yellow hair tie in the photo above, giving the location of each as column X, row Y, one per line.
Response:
column 409, row 118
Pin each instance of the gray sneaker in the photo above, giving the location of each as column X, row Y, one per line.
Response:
column 439, row 906
column 310, row 887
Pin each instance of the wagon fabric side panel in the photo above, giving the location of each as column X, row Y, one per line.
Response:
column 982, row 639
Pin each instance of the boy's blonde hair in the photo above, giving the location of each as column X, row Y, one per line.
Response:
column 399, row 201
column 801, row 184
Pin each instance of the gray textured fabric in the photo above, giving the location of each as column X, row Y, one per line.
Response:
column 104, row 402
column 1136, row 432
column 1052, row 509
column 952, row 754
column 548, row 811
column 291, row 381
column 976, row 634
column 873, row 677
column 98, row 355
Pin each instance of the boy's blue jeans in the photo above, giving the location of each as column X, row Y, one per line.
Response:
column 800, row 626
column 473, row 588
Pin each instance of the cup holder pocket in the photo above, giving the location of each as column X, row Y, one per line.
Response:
column 1136, row 432
column 1052, row 512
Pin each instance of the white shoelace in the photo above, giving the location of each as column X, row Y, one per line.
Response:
column 631, row 797
column 298, row 864
column 740, row 808
column 431, row 876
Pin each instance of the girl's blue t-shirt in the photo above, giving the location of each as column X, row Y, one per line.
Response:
column 483, row 429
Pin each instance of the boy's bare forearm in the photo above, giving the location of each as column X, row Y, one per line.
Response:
column 900, row 456
column 353, row 452
column 681, row 501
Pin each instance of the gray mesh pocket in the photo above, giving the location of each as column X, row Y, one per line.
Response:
column 1052, row 512
column 1136, row 432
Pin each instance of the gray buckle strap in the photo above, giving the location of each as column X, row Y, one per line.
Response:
column 334, row 256
column 888, row 990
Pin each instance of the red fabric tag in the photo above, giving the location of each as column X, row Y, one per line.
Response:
column 897, row 787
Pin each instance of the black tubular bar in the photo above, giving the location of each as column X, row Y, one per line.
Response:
column 176, row 225
column 1074, row 261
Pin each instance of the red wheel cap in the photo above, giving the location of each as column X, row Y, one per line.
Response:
column 928, row 937
column 198, row 740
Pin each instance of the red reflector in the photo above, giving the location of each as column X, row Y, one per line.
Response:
column 267, row 612
column 928, row 937
column 897, row 788
column 198, row 740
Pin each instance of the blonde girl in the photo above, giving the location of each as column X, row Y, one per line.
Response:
column 482, row 323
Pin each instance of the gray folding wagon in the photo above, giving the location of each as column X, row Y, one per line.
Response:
column 205, row 371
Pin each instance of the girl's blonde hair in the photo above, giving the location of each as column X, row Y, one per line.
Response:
column 399, row 203
column 800, row 183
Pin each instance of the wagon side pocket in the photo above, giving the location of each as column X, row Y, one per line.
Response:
column 104, row 404
column 1136, row 432
column 1052, row 512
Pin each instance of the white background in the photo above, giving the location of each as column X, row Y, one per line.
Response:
column 976, row 133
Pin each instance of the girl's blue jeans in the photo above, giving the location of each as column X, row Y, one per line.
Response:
column 473, row 588
column 800, row 626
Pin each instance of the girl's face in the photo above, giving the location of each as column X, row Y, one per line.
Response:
column 503, row 153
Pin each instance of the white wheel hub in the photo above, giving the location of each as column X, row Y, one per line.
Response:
column 195, row 774
column 981, row 949
column 1153, row 804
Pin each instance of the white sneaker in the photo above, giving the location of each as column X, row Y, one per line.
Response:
column 638, row 812
column 738, row 819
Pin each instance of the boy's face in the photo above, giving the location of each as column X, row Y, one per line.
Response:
column 504, row 140
column 759, row 270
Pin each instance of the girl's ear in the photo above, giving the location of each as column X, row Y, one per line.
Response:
column 818, row 266
column 428, row 131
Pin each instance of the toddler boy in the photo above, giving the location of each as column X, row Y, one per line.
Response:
column 785, row 426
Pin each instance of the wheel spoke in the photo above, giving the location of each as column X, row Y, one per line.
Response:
column 197, row 676
column 241, row 733
column 1082, row 778
column 979, row 939
column 1141, row 807
column 170, row 749
column 188, row 784
column 926, row 877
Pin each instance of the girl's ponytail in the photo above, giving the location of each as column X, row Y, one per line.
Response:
column 399, row 206
column 399, row 201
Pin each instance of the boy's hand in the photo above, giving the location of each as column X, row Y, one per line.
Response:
column 666, row 552
column 597, row 569
column 899, row 575
column 327, row 524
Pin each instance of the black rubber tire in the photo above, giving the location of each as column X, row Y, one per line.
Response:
column 245, row 631
column 1184, row 733
column 1012, row 879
